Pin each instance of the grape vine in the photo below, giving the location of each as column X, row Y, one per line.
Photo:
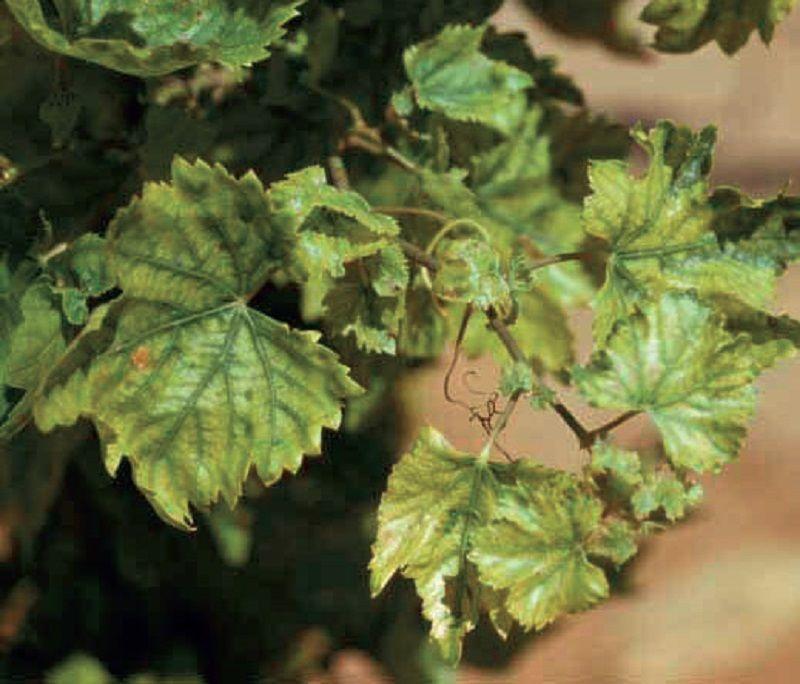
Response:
column 229, row 229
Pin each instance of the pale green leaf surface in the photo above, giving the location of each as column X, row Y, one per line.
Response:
column 450, row 75
column 621, row 464
column 335, row 226
column 686, row 25
column 156, row 37
column 663, row 491
column 369, row 302
column 615, row 540
column 676, row 362
column 536, row 549
column 470, row 271
column 660, row 230
column 82, row 272
column 196, row 388
column 436, row 500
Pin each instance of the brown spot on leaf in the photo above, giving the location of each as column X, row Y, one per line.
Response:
column 141, row 358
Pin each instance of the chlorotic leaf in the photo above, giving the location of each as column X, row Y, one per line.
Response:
column 623, row 465
column 156, row 38
column 535, row 549
column 196, row 387
column 665, row 492
column 686, row 25
column 676, row 362
column 660, row 229
column 450, row 75
column 470, row 271
column 615, row 540
column 369, row 302
column 81, row 273
column 335, row 227
column 646, row 487
column 436, row 500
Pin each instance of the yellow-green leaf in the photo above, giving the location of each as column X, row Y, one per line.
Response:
column 195, row 387
column 676, row 361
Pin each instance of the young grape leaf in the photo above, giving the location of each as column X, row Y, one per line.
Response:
column 615, row 540
column 676, row 361
column 645, row 487
column 686, row 25
column 196, row 387
column 80, row 273
column 436, row 501
column 664, row 491
column 334, row 226
column 369, row 302
column 624, row 466
column 660, row 231
column 535, row 548
column 157, row 37
column 450, row 75
column 470, row 271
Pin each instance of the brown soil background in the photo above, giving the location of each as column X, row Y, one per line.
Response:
column 716, row 600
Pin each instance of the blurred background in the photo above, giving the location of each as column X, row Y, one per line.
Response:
column 716, row 599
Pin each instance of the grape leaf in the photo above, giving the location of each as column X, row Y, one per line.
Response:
column 79, row 274
column 686, row 25
column 37, row 342
column 676, row 362
column 508, row 539
column 624, row 466
column 436, row 500
column 369, row 302
column 450, row 75
column 645, row 487
column 615, row 540
column 196, row 387
column 536, row 548
column 470, row 271
column 660, row 230
column 664, row 491
column 335, row 226
column 155, row 38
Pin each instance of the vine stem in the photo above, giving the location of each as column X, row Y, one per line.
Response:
column 586, row 438
column 427, row 260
